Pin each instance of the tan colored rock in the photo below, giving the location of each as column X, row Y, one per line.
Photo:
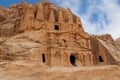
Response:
column 7, row 29
column 60, row 12
column 52, row 16
column 39, row 12
column 105, row 37
column 52, row 35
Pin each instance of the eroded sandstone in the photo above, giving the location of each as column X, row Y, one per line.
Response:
column 52, row 35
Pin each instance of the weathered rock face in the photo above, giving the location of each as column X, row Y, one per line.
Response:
column 45, row 16
column 8, row 18
column 51, row 35
column 110, row 48
column 118, row 42
column 105, row 37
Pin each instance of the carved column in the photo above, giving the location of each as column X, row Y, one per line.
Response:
column 52, row 16
column 60, row 17
column 69, row 16
column 40, row 15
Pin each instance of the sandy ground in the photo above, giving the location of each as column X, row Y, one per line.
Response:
column 34, row 71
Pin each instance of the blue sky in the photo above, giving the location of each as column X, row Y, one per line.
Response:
column 97, row 16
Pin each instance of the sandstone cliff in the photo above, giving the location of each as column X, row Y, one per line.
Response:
column 111, row 45
column 46, row 42
column 52, row 35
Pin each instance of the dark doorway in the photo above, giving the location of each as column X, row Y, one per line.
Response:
column 101, row 59
column 56, row 27
column 43, row 58
column 72, row 60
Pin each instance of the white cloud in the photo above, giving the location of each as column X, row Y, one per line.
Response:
column 88, row 26
column 72, row 4
column 113, row 12
column 111, row 9
column 95, row 27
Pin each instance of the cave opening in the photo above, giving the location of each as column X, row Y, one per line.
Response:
column 72, row 60
column 43, row 58
column 56, row 27
column 101, row 59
